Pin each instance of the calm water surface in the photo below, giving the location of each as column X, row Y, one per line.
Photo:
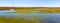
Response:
column 50, row 17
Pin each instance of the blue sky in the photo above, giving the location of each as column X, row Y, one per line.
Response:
column 30, row 3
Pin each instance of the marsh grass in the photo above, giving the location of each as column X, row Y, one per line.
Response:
column 4, row 19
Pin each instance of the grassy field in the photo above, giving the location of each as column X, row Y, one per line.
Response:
column 33, row 9
column 40, row 10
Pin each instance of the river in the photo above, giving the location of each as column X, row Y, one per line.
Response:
column 50, row 17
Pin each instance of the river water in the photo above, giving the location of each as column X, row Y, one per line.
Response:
column 50, row 17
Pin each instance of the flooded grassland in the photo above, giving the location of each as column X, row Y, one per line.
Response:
column 30, row 16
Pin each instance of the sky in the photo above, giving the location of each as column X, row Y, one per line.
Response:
column 30, row 3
